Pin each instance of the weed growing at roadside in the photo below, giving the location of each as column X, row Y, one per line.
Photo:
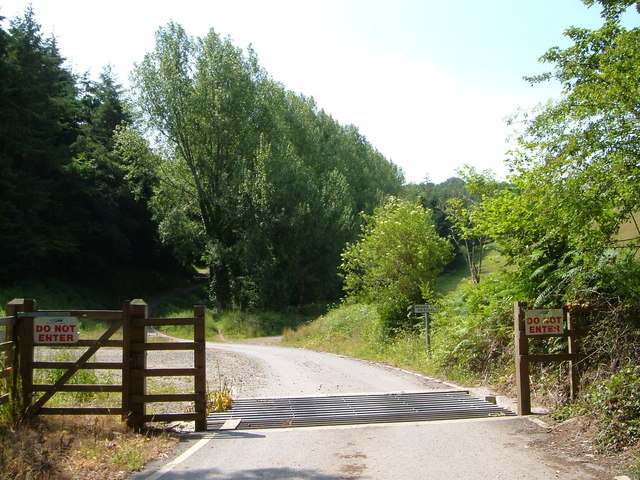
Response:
column 219, row 400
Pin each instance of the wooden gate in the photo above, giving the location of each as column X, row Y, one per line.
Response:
column 134, row 324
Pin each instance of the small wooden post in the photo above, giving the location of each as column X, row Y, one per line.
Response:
column 126, row 364
column 523, row 384
column 200, row 362
column 573, row 347
column 12, row 356
column 23, row 336
column 137, row 364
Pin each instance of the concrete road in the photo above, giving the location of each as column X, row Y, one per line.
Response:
column 499, row 448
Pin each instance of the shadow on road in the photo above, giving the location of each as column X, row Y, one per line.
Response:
column 283, row 473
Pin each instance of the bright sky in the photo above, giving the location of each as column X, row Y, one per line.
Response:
column 428, row 82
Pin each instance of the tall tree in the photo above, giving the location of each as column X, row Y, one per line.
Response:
column 253, row 179
column 38, row 109
column 396, row 261
column 578, row 176
column 199, row 96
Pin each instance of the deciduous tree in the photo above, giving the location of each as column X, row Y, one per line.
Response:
column 396, row 260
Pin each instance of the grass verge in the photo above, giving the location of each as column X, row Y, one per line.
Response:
column 355, row 330
column 78, row 448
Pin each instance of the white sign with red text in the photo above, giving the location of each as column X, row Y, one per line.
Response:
column 55, row 329
column 544, row 322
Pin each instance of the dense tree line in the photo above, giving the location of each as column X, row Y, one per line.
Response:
column 219, row 164
column 66, row 208
column 250, row 178
column 214, row 163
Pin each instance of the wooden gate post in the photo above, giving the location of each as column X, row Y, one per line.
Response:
column 126, row 354
column 200, row 363
column 523, row 384
column 573, row 320
column 135, row 361
column 23, row 359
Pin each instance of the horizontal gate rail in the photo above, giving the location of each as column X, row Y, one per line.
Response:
column 162, row 322
column 87, row 365
column 138, row 347
column 105, row 315
column 7, row 321
column 80, row 411
column 174, row 417
column 80, row 388
column 168, row 346
column 166, row 372
column 166, row 397
column 107, row 343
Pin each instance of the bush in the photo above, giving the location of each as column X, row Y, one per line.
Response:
column 395, row 262
column 472, row 335
column 615, row 403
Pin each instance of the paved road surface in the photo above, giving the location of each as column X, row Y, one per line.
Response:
column 460, row 449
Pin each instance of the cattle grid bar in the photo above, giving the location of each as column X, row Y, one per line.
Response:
column 331, row 410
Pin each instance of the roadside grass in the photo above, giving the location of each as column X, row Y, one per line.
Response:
column 77, row 448
column 231, row 324
column 458, row 270
column 236, row 324
column 354, row 330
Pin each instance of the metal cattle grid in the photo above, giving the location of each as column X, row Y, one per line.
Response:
column 256, row 413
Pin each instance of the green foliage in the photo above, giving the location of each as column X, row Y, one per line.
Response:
column 396, row 261
column 37, row 126
column 434, row 197
column 615, row 403
column 578, row 174
column 472, row 335
column 67, row 205
column 52, row 296
column 251, row 178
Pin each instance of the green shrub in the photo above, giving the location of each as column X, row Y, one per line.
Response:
column 615, row 403
column 395, row 262
column 472, row 335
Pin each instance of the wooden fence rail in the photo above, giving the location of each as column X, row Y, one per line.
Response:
column 134, row 323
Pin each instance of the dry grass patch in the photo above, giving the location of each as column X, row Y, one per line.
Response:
column 78, row 448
